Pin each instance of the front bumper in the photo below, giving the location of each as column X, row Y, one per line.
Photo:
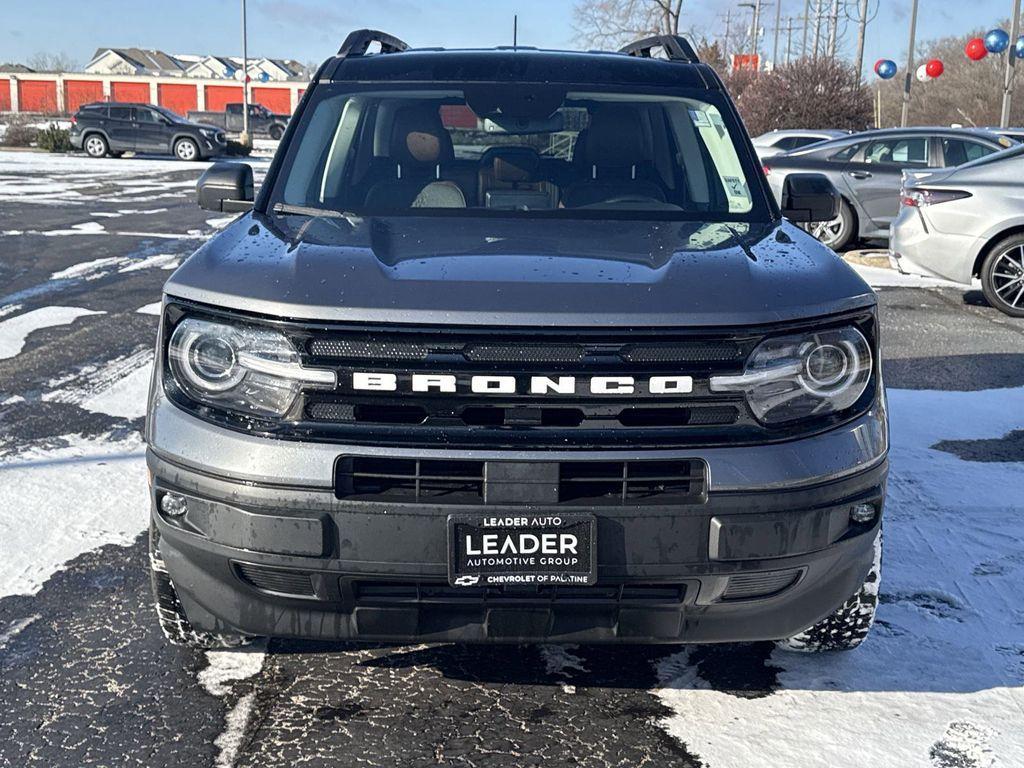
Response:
column 263, row 520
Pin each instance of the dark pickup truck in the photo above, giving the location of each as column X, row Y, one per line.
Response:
column 262, row 121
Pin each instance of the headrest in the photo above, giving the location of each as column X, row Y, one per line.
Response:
column 516, row 165
column 615, row 137
column 418, row 137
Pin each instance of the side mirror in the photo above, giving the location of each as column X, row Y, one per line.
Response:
column 226, row 187
column 809, row 197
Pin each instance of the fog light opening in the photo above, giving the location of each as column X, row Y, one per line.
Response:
column 862, row 513
column 173, row 505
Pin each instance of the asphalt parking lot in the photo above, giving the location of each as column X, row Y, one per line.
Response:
column 86, row 678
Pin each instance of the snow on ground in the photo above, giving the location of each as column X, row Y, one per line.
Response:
column 56, row 504
column 150, row 309
column 126, row 398
column 880, row 277
column 224, row 668
column 940, row 684
column 15, row 330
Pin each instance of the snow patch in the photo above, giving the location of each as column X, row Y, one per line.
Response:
column 224, row 668
column 125, row 399
column 559, row 660
column 150, row 309
column 13, row 629
column 57, row 503
column 14, row 331
column 220, row 222
column 160, row 260
column 89, row 270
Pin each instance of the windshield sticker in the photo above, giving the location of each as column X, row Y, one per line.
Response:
column 735, row 186
column 700, row 118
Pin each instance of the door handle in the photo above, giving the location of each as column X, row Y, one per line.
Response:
column 860, row 174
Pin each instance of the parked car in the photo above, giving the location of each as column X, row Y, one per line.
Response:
column 113, row 128
column 776, row 142
column 866, row 169
column 967, row 223
column 585, row 385
column 1014, row 134
column 262, row 122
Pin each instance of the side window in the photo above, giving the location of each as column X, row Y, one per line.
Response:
column 845, row 155
column 899, row 151
column 120, row 113
column 804, row 141
column 787, row 143
column 960, row 151
column 145, row 116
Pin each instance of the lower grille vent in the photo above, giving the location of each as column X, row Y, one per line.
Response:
column 465, row 481
column 748, row 586
column 282, row 581
column 631, row 481
column 389, row 592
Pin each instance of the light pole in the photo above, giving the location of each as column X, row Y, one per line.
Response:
column 1011, row 65
column 807, row 26
column 862, row 24
column 245, row 81
column 910, row 65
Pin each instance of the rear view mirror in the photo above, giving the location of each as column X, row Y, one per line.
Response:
column 809, row 197
column 226, row 187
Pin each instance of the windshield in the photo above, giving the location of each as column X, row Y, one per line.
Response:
column 515, row 149
column 174, row 118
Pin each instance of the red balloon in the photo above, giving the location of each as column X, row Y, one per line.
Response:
column 934, row 68
column 877, row 64
column 976, row 50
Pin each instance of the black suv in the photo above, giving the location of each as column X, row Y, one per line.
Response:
column 516, row 345
column 113, row 128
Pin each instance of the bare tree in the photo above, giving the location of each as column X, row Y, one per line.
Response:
column 823, row 93
column 614, row 23
column 51, row 62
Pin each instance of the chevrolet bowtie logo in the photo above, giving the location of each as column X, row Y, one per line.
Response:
column 446, row 383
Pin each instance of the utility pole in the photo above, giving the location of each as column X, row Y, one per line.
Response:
column 833, row 30
column 778, row 28
column 789, row 39
column 862, row 25
column 910, row 65
column 728, row 28
column 245, row 81
column 756, row 29
column 1011, row 66
column 817, row 26
column 807, row 26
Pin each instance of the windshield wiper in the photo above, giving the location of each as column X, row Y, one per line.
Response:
column 308, row 210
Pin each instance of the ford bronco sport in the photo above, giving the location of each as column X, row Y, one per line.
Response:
column 516, row 345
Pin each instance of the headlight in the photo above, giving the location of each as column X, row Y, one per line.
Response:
column 802, row 375
column 208, row 132
column 255, row 371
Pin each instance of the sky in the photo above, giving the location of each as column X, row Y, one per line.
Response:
column 309, row 30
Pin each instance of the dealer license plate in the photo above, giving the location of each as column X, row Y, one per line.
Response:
column 494, row 550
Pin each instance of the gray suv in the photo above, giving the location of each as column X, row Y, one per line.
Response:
column 516, row 345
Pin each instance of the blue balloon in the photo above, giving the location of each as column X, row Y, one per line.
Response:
column 887, row 69
column 264, row 77
column 1018, row 49
column 997, row 41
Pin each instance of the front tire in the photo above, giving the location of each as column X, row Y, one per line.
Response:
column 840, row 231
column 171, row 614
column 95, row 145
column 850, row 624
column 276, row 132
column 1002, row 276
column 186, row 149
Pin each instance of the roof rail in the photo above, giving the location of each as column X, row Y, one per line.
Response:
column 358, row 43
column 677, row 48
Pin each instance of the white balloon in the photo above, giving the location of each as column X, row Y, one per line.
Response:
column 922, row 73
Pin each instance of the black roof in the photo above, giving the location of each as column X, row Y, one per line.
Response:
column 518, row 64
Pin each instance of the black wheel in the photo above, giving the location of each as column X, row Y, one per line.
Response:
column 850, row 624
column 1002, row 276
column 170, row 613
column 276, row 132
column 95, row 145
column 186, row 149
column 840, row 231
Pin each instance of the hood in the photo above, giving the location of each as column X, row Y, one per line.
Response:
column 497, row 272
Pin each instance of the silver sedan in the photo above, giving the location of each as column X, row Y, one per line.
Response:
column 965, row 223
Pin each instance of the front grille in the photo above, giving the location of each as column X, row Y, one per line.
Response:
column 749, row 586
column 465, row 481
column 412, row 593
column 279, row 581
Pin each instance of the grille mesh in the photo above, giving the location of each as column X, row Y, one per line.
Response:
column 280, row 580
column 531, row 353
column 746, row 586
